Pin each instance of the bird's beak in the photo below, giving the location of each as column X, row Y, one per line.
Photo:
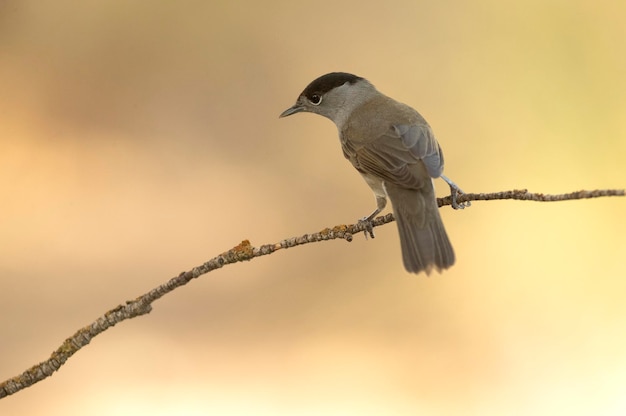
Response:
column 296, row 108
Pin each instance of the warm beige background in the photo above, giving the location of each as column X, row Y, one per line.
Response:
column 138, row 139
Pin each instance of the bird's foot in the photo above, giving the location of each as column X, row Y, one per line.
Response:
column 368, row 227
column 455, row 191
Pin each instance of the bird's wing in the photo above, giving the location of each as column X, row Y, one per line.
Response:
column 405, row 155
column 421, row 143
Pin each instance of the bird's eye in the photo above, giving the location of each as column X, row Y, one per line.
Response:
column 315, row 99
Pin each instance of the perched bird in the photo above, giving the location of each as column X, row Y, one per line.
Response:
column 394, row 149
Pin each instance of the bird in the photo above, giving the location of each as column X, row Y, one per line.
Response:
column 394, row 149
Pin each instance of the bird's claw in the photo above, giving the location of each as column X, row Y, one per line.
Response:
column 455, row 191
column 368, row 227
column 454, row 194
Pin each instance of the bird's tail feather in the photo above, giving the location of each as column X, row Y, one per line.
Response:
column 423, row 237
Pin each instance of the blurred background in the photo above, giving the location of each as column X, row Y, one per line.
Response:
column 139, row 139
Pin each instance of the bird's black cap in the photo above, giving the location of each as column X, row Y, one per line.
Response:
column 327, row 82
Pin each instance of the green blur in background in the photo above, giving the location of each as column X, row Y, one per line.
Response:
column 139, row 139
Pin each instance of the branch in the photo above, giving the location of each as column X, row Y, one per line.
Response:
column 242, row 252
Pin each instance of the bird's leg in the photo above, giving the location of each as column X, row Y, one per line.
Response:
column 455, row 191
column 381, row 202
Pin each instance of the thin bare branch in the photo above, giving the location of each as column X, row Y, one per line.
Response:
column 244, row 251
